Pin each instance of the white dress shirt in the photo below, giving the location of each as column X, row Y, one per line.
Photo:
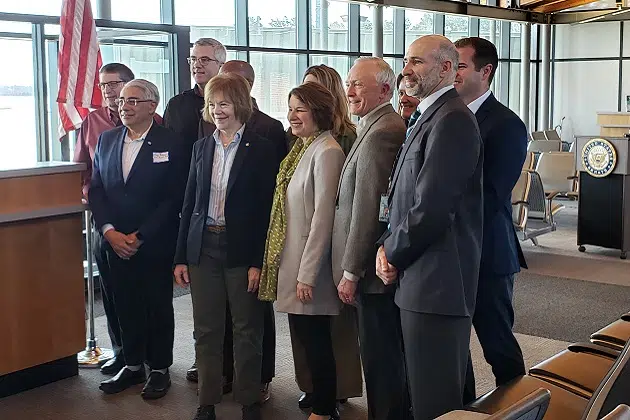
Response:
column 361, row 122
column 430, row 100
column 221, row 168
column 130, row 151
column 476, row 104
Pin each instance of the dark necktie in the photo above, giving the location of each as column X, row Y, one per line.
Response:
column 412, row 121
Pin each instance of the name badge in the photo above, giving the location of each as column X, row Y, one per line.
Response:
column 160, row 157
column 383, row 213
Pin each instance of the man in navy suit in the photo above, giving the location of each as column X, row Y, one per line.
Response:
column 505, row 146
column 135, row 196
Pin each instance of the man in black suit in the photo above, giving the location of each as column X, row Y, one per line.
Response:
column 135, row 196
column 505, row 147
column 432, row 247
column 270, row 129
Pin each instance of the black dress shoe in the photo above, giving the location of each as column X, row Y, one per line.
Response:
column 205, row 412
column 251, row 412
column 191, row 374
column 123, row 380
column 335, row 415
column 157, row 385
column 306, row 401
column 113, row 366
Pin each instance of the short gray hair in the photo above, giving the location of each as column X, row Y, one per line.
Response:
column 385, row 75
column 149, row 90
column 220, row 53
column 447, row 52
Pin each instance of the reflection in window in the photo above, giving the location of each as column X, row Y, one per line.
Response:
column 417, row 24
column 276, row 75
column 367, row 26
column 147, row 62
column 272, row 23
column 329, row 25
column 338, row 62
column 208, row 21
column 18, row 143
column 455, row 27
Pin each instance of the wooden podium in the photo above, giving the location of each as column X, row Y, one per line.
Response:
column 42, row 309
column 604, row 199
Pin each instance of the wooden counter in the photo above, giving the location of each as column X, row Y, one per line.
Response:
column 42, row 309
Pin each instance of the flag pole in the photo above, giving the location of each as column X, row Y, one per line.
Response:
column 92, row 356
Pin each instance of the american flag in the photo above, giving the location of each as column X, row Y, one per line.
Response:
column 79, row 62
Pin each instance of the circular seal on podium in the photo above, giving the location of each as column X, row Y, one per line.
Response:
column 599, row 157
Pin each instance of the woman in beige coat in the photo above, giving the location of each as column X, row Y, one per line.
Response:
column 297, row 269
column 345, row 333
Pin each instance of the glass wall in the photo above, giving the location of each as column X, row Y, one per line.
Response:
column 281, row 38
column 590, row 74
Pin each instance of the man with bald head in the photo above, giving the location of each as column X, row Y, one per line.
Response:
column 432, row 247
column 271, row 130
column 262, row 124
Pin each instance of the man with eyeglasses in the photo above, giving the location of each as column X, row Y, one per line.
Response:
column 112, row 77
column 183, row 111
column 136, row 194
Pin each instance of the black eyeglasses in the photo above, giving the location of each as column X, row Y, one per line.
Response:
column 130, row 101
column 111, row 84
column 204, row 61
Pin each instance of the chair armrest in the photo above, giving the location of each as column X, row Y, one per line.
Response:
column 463, row 415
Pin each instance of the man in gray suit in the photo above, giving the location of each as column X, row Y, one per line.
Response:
column 380, row 133
column 432, row 247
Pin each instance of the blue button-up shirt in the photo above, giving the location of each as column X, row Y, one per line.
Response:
column 221, row 167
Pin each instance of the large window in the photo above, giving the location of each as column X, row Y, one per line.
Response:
column 329, row 25
column 417, row 24
column 137, row 11
column 341, row 63
column 455, row 27
column 276, row 75
column 208, row 20
column 18, row 143
column 272, row 23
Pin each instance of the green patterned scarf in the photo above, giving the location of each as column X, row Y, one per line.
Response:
column 276, row 235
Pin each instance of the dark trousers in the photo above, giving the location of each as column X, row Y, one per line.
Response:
column 436, row 352
column 313, row 332
column 493, row 322
column 214, row 285
column 383, row 357
column 268, row 370
column 100, row 257
column 143, row 295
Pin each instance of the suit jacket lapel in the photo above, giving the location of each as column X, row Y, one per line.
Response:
column 373, row 119
column 207, row 160
column 485, row 109
column 117, row 154
column 416, row 130
column 241, row 153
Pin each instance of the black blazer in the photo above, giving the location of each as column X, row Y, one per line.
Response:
column 436, row 217
column 247, row 205
column 261, row 124
column 150, row 200
column 505, row 148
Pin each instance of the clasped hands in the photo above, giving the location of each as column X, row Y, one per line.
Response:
column 384, row 270
column 125, row 246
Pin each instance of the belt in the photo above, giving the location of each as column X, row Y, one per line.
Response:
column 215, row 229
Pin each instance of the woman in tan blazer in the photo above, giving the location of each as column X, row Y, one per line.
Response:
column 297, row 269
column 345, row 333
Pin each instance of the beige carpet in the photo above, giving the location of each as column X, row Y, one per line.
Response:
column 79, row 398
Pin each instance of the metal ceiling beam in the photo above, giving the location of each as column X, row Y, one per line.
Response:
column 465, row 9
column 610, row 15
